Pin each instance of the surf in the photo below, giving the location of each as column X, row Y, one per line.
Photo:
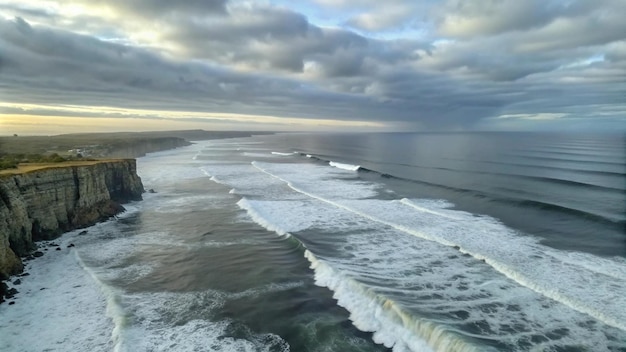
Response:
column 604, row 306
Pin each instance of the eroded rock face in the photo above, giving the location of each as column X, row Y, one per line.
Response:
column 43, row 204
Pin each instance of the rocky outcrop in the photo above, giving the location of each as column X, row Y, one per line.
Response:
column 44, row 203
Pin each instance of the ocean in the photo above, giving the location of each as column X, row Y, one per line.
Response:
column 347, row 242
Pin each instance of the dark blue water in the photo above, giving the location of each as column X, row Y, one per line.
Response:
column 569, row 189
column 349, row 242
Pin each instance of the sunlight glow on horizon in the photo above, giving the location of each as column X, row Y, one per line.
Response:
column 59, row 119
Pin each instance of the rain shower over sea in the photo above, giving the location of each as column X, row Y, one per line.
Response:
column 347, row 242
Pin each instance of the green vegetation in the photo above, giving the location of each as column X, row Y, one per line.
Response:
column 11, row 161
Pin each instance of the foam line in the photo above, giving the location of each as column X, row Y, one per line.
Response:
column 113, row 308
column 503, row 268
column 282, row 154
column 391, row 325
column 343, row 166
column 614, row 269
column 259, row 219
column 426, row 210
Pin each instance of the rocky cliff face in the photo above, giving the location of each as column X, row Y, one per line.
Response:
column 42, row 204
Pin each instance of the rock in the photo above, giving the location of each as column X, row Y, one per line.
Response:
column 24, row 274
column 71, row 245
column 10, row 293
column 151, row 190
column 3, row 290
column 42, row 204
column 82, row 233
column 37, row 254
column 11, row 303
column 58, row 248
column 17, row 282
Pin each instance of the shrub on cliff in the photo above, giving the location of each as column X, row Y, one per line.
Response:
column 11, row 161
column 55, row 158
column 8, row 164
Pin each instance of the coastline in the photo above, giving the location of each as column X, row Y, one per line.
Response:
column 44, row 201
column 18, row 234
column 64, row 303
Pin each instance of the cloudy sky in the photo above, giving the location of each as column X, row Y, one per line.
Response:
column 70, row 65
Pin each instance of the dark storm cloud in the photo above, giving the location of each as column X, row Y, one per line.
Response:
column 497, row 57
column 460, row 18
column 49, row 66
column 148, row 8
column 264, row 37
column 57, row 67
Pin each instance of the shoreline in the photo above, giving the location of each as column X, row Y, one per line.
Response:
column 44, row 201
column 56, row 291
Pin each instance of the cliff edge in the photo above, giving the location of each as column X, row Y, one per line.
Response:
column 44, row 202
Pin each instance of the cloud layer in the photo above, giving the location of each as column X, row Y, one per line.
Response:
column 446, row 65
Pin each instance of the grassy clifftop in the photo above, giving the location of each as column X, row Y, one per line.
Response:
column 30, row 167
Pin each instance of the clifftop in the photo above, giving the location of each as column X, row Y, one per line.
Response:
column 32, row 167
column 42, row 201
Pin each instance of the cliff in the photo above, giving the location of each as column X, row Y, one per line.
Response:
column 43, row 203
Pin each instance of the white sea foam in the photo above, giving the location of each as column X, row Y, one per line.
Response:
column 249, row 182
column 343, row 166
column 458, row 284
column 518, row 257
column 391, row 325
column 271, row 215
column 318, row 178
column 160, row 325
column 282, row 154
column 428, row 207
column 258, row 218
column 59, row 305
column 257, row 155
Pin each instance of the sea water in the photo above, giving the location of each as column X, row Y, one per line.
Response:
column 340, row 242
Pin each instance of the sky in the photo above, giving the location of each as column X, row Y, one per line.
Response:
column 312, row 65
